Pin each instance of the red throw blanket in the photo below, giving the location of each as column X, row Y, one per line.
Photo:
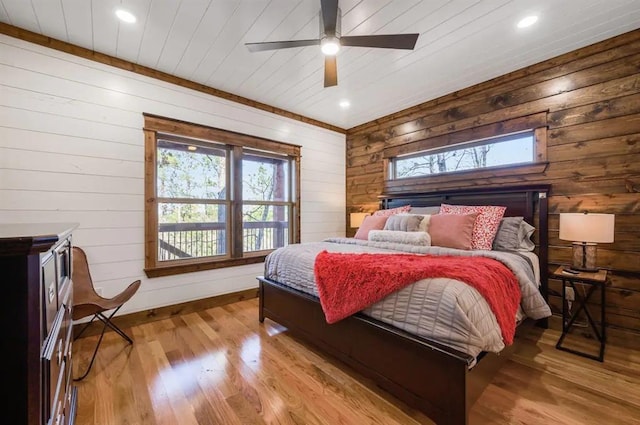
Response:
column 348, row 283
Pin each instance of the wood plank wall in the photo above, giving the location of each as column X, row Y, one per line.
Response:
column 592, row 96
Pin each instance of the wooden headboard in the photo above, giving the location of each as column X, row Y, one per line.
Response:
column 524, row 201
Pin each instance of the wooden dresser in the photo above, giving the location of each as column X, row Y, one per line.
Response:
column 35, row 260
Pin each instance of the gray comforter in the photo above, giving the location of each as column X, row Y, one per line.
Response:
column 441, row 309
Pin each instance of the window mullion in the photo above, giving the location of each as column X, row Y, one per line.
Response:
column 236, row 232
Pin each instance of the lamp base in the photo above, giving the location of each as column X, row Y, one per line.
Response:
column 584, row 257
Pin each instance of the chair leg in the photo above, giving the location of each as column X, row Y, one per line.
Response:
column 95, row 351
column 106, row 322
column 86, row 325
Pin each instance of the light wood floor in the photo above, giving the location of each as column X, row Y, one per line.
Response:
column 221, row 366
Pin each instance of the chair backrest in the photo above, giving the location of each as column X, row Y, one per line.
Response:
column 86, row 301
column 84, row 294
column 81, row 276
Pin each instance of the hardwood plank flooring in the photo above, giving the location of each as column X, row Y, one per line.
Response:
column 221, row 366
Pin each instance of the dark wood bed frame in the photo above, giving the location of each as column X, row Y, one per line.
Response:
column 426, row 375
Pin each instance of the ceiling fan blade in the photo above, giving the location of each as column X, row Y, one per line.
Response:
column 330, row 71
column 391, row 41
column 329, row 10
column 273, row 45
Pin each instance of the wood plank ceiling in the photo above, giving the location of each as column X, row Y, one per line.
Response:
column 461, row 43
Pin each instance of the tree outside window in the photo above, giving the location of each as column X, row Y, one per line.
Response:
column 498, row 151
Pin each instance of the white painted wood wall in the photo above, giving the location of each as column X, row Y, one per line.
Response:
column 72, row 150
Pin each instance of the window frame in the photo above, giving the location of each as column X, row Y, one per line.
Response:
column 536, row 123
column 157, row 127
column 393, row 169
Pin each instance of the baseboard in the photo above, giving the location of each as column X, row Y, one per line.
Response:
column 128, row 320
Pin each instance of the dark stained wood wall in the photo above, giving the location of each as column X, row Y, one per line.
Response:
column 592, row 96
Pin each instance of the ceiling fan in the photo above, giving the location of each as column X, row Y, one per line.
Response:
column 330, row 41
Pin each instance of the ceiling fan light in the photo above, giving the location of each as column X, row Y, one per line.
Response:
column 330, row 46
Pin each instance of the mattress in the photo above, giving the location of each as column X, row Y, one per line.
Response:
column 440, row 309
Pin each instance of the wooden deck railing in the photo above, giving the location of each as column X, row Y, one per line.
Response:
column 187, row 240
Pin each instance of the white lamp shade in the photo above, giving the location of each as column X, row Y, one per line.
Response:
column 587, row 227
column 356, row 219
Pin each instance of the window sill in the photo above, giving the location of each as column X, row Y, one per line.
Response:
column 174, row 269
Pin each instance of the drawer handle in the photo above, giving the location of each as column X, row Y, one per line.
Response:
column 59, row 351
column 59, row 416
column 52, row 292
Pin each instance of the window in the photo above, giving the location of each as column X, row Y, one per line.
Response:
column 511, row 147
column 494, row 152
column 266, row 195
column 215, row 198
column 192, row 199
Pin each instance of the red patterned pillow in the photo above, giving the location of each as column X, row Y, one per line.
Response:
column 486, row 225
column 392, row 211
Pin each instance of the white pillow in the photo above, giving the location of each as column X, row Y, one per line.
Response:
column 397, row 236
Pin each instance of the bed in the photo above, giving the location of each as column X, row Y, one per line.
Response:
column 427, row 374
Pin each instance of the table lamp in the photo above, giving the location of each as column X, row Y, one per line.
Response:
column 356, row 219
column 586, row 230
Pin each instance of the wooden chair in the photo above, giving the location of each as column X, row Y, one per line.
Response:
column 87, row 302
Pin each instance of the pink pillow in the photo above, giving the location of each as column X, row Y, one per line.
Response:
column 486, row 225
column 452, row 230
column 392, row 211
column 370, row 223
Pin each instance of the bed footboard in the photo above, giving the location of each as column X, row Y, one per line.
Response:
column 426, row 375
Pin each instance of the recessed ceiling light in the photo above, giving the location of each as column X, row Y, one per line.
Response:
column 528, row 21
column 125, row 16
column 192, row 148
column 344, row 104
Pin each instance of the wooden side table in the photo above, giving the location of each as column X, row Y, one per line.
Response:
column 594, row 281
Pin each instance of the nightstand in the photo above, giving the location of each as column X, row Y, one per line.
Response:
column 596, row 281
